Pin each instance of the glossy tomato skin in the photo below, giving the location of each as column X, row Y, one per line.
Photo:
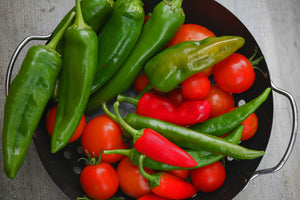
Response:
column 50, row 120
column 250, row 127
column 208, row 178
column 234, row 74
column 132, row 182
column 101, row 133
column 195, row 87
column 181, row 173
column 100, row 181
column 140, row 82
column 220, row 101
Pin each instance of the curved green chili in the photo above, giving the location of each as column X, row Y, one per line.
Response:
column 79, row 64
column 117, row 38
column 165, row 21
column 28, row 95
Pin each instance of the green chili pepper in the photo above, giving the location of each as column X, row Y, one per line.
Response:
column 28, row 95
column 79, row 64
column 165, row 21
column 222, row 124
column 172, row 66
column 203, row 158
column 117, row 39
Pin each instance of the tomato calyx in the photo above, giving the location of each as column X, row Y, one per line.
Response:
column 255, row 61
column 92, row 160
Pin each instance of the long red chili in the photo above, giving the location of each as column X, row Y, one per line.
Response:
column 167, row 185
column 155, row 146
column 160, row 107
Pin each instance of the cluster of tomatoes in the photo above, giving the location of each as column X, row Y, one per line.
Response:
column 234, row 74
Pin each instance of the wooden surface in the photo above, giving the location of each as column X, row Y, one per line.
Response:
column 274, row 24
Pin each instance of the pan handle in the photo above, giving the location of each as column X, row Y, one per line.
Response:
column 15, row 56
column 292, row 138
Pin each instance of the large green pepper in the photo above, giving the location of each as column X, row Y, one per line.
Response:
column 79, row 64
column 117, row 38
column 28, row 95
column 172, row 66
column 165, row 21
column 203, row 158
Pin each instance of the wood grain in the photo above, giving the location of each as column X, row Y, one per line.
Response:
column 274, row 24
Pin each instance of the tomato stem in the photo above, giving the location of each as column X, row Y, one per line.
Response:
column 255, row 61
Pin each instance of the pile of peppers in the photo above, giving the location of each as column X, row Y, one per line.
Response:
column 94, row 55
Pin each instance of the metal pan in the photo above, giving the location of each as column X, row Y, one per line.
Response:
column 65, row 169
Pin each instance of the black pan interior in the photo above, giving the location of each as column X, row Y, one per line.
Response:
column 64, row 168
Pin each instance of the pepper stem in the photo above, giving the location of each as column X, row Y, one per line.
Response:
column 154, row 179
column 122, row 98
column 146, row 89
column 54, row 41
column 133, row 132
column 110, row 115
column 79, row 21
column 125, row 152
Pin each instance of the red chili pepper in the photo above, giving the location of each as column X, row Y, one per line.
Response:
column 167, row 185
column 186, row 114
column 154, row 145
column 152, row 197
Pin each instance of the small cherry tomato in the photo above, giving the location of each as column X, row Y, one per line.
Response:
column 175, row 96
column 99, row 181
column 141, row 82
column 250, row 127
column 50, row 120
column 132, row 182
column 208, row 178
column 195, row 87
column 220, row 101
column 181, row 173
column 234, row 74
column 101, row 133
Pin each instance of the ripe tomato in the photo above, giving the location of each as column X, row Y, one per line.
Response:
column 175, row 96
column 50, row 120
column 151, row 197
column 250, row 127
column 102, row 133
column 220, row 101
column 99, row 181
column 141, row 82
column 195, row 87
column 132, row 182
column 234, row 74
column 192, row 32
column 208, row 178
column 181, row 173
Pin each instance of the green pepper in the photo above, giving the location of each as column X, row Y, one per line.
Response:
column 165, row 21
column 188, row 138
column 203, row 158
column 78, row 70
column 222, row 124
column 172, row 66
column 117, row 38
column 28, row 95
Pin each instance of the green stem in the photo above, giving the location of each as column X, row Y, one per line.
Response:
column 125, row 152
column 112, row 116
column 54, row 41
column 133, row 132
column 79, row 21
column 146, row 89
column 122, row 98
column 154, row 179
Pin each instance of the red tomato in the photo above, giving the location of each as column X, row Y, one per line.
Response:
column 102, row 133
column 195, row 87
column 175, row 96
column 220, row 101
column 100, row 181
column 191, row 32
column 132, row 182
column 208, row 178
column 141, row 82
column 234, row 74
column 181, row 173
column 151, row 197
column 50, row 120
column 250, row 127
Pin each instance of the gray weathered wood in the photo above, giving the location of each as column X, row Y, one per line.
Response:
column 274, row 24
